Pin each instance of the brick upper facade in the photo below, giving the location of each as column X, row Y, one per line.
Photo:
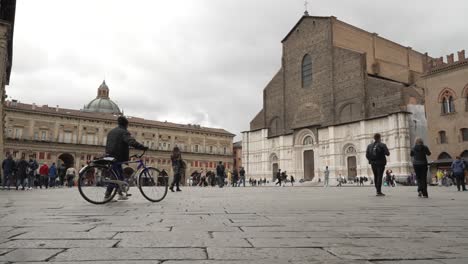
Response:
column 356, row 75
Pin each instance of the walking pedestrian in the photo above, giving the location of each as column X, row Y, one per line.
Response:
column 340, row 181
column 44, row 176
column 326, row 174
column 419, row 154
column 70, row 176
column 220, row 174
column 62, row 170
column 235, row 177
column 21, row 172
column 458, row 169
column 8, row 166
column 242, row 176
column 52, row 175
column 177, row 167
column 284, row 178
column 376, row 155
column 278, row 177
column 32, row 167
column 292, row 180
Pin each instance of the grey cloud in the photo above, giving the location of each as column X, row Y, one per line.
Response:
column 203, row 61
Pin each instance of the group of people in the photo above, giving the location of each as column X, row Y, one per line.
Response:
column 377, row 152
column 446, row 178
column 282, row 178
column 26, row 175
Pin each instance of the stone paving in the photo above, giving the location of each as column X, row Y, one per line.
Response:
column 237, row 226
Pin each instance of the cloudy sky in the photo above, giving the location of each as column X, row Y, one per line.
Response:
column 193, row 61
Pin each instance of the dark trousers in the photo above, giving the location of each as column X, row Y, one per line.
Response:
column 6, row 180
column 220, row 180
column 378, row 171
column 241, row 181
column 44, row 180
column 460, row 177
column 421, row 177
column 279, row 182
column 117, row 168
column 176, row 181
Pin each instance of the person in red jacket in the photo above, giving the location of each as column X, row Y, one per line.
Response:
column 44, row 178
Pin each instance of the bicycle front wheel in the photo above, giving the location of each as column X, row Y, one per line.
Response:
column 94, row 184
column 152, row 185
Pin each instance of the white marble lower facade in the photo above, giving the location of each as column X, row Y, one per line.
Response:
column 342, row 148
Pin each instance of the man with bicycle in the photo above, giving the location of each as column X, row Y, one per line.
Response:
column 118, row 142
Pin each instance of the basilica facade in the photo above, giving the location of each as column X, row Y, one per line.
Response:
column 338, row 85
column 74, row 137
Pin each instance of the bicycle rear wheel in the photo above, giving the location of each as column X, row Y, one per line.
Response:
column 93, row 183
column 152, row 185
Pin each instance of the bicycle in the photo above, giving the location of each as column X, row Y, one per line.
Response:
column 101, row 174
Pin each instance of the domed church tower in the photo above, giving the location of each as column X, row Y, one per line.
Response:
column 102, row 103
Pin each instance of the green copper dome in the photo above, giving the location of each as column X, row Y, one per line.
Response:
column 102, row 103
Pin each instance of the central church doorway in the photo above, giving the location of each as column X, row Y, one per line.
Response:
column 352, row 171
column 275, row 170
column 308, row 165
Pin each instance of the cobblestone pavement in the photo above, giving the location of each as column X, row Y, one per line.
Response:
column 237, row 226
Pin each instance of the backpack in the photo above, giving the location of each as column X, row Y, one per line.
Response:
column 374, row 151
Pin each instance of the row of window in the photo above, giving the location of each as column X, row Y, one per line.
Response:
column 443, row 136
column 93, row 139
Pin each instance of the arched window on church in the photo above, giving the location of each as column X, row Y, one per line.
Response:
column 306, row 71
column 308, row 140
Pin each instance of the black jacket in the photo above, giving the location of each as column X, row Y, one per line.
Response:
column 382, row 152
column 8, row 165
column 118, row 142
column 419, row 153
column 22, row 166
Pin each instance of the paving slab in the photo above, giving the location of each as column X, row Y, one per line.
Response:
column 82, row 254
column 22, row 243
column 286, row 254
column 29, row 255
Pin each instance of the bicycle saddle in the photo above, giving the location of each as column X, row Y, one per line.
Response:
column 104, row 160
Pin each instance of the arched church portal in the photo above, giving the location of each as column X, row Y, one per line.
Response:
column 309, row 165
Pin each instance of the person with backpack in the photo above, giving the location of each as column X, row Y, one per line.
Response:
column 177, row 167
column 458, row 169
column 376, row 155
column 220, row 173
column 419, row 154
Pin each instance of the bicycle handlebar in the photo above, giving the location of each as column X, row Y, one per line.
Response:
column 138, row 156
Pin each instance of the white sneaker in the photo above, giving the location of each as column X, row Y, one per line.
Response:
column 122, row 197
